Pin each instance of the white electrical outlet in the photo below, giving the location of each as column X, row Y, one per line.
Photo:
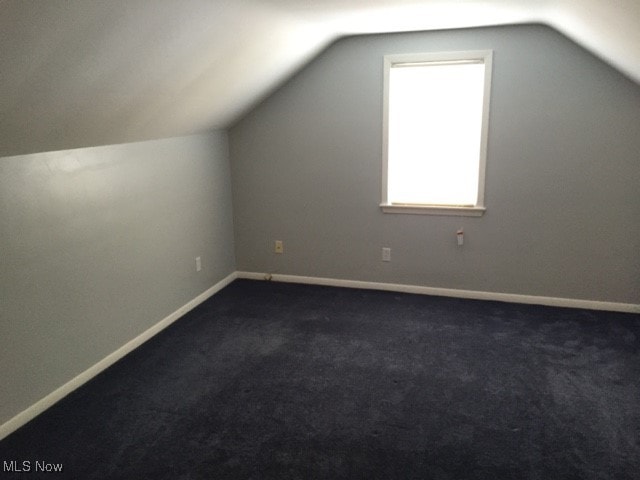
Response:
column 386, row 254
column 198, row 264
column 279, row 246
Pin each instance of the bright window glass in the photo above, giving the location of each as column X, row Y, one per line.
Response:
column 436, row 131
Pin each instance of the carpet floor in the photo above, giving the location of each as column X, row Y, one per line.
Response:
column 282, row 381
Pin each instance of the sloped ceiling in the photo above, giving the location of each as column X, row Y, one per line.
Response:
column 77, row 73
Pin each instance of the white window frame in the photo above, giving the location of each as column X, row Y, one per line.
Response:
column 484, row 56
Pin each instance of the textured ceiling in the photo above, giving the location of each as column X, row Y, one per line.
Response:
column 77, row 73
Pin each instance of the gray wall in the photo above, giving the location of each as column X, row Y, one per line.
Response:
column 98, row 245
column 562, row 185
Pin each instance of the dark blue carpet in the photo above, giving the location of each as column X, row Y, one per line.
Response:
column 283, row 381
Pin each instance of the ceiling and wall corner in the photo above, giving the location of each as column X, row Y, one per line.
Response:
column 77, row 73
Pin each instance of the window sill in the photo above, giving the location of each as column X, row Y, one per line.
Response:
column 433, row 210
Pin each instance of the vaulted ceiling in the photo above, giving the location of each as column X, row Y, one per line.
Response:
column 77, row 73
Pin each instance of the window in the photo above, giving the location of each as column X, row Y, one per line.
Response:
column 436, row 111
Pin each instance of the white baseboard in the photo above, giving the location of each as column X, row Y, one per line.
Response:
column 449, row 292
column 61, row 392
